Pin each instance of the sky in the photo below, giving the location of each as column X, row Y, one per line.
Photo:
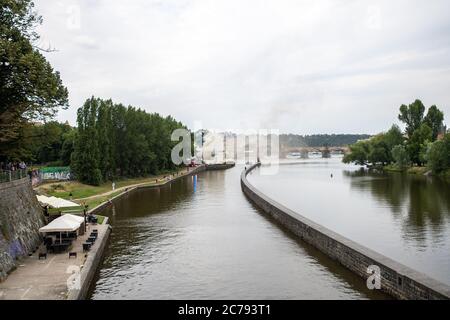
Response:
column 295, row 66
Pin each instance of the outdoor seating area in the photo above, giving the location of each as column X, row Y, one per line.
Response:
column 90, row 240
column 43, row 275
column 61, row 232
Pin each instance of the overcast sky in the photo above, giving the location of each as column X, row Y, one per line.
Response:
column 297, row 66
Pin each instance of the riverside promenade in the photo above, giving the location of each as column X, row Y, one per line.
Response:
column 56, row 276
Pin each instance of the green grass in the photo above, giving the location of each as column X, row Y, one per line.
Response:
column 410, row 170
column 94, row 202
column 392, row 168
column 80, row 190
column 100, row 219
column 418, row 170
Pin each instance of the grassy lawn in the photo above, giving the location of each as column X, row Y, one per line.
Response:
column 93, row 202
column 80, row 190
column 410, row 170
column 100, row 219
column 418, row 170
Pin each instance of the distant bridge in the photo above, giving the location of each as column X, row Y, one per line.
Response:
column 325, row 151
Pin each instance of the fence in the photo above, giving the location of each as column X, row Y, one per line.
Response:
column 11, row 175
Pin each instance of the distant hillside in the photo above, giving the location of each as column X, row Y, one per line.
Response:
column 319, row 140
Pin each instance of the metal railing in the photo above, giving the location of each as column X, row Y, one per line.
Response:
column 11, row 175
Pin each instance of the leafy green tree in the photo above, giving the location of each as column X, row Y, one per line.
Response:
column 85, row 159
column 434, row 119
column 393, row 137
column 412, row 116
column 67, row 147
column 379, row 153
column 29, row 87
column 438, row 155
column 417, row 143
column 359, row 153
column 400, row 156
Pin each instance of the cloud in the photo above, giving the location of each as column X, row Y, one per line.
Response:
column 298, row 66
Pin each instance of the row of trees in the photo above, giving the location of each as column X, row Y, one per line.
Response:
column 319, row 140
column 418, row 145
column 113, row 140
column 49, row 143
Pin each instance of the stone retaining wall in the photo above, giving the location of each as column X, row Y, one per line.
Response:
column 396, row 279
column 21, row 217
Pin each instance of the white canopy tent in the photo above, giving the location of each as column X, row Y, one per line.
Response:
column 65, row 223
column 56, row 202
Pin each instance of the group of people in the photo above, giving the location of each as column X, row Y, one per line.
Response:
column 12, row 166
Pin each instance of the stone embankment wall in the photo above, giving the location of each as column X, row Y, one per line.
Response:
column 92, row 263
column 21, row 217
column 396, row 279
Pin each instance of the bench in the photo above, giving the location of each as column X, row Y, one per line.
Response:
column 86, row 246
column 72, row 254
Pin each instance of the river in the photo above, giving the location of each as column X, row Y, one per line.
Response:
column 200, row 238
column 405, row 217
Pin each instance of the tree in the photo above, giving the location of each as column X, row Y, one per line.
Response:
column 358, row 153
column 67, row 147
column 434, row 119
column 417, row 143
column 393, row 137
column 29, row 87
column 85, row 158
column 400, row 156
column 379, row 153
column 438, row 155
column 412, row 116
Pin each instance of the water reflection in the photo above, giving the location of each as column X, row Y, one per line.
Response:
column 425, row 200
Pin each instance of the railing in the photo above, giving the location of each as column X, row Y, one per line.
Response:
column 11, row 175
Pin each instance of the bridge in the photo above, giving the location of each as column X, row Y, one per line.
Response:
column 325, row 151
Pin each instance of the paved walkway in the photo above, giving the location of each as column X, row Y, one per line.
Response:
column 46, row 279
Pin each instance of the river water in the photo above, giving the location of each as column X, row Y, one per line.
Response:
column 200, row 238
column 405, row 217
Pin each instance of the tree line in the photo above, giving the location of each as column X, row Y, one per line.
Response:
column 117, row 141
column 424, row 142
column 319, row 140
column 49, row 143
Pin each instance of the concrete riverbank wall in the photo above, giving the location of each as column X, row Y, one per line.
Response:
column 21, row 217
column 91, row 264
column 397, row 280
